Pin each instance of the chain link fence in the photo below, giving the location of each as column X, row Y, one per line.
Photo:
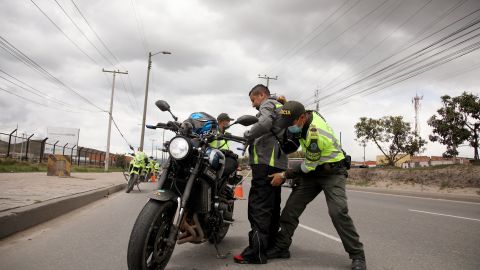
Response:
column 28, row 148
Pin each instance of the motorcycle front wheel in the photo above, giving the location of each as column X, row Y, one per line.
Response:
column 147, row 248
column 131, row 182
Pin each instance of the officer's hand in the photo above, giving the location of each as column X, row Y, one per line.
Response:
column 277, row 179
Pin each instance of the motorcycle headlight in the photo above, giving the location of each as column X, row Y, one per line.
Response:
column 179, row 148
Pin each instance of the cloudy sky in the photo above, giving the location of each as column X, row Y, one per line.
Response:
column 365, row 58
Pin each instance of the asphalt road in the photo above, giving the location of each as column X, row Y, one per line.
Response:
column 398, row 232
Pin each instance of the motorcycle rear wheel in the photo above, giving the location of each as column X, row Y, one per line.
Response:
column 131, row 182
column 147, row 248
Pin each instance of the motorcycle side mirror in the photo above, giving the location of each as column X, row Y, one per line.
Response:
column 163, row 105
column 246, row 120
column 131, row 148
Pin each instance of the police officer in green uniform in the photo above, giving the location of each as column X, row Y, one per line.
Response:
column 265, row 158
column 323, row 169
column 223, row 122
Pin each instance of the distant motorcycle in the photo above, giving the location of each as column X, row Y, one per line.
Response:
column 194, row 202
column 137, row 171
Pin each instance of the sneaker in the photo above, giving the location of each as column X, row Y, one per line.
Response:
column 359, row 264
column 276, row 253
column 240, row 259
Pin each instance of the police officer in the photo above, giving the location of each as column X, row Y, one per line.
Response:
column 322, row 169
column 265, row 158
column 223, row 122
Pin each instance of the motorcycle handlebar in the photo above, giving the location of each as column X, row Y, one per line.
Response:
column 234, row 138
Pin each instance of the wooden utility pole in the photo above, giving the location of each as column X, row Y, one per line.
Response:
column 267, row 78
column 107, row 153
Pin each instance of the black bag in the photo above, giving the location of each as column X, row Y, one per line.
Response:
column 347, row 161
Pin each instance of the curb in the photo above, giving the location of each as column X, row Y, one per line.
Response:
column 435, row 196
column 25, row 217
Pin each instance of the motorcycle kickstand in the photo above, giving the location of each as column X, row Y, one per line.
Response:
column 138, row 187
column 219, row 255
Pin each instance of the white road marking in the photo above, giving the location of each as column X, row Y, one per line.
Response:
column 409, row 196
column 445, row 215
column 321, row 233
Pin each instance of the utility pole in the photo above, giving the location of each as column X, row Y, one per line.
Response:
column 317, row 100
column 149, row 67
column 416, row 106
column 107, row 153
column 364, row 145
column 153, row 140
column 267, row 78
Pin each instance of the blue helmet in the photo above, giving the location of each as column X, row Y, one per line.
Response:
column 202, row 123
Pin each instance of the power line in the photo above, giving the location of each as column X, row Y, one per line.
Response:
column 66, row 36
column 106, row 48
column 95, row 32
column 140, row 27
column 29, row 62
column 412, row 73
column 458, row 4
column 294, row 48
column 401, row 61
column 83, row 33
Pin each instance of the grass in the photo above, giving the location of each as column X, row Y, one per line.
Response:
column 11, row 165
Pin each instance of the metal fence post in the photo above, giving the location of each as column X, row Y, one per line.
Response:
column 28, row 144
column 71, row 154
column 42, row 149
column 64, row 148
column 79, row 151
column 9, row 141
column 54, row 147
column 85, row 163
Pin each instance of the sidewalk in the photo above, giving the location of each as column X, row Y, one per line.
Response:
column 27, row 199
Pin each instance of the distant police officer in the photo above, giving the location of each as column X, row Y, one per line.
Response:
column 265, row 158
column 322, row 169
column 223, row 122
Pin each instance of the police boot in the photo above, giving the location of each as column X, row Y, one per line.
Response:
column 359, row 264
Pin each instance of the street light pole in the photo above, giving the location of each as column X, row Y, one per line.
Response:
column 149, row 67
column 107, row 153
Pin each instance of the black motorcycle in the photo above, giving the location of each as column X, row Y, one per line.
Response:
column 194, row 201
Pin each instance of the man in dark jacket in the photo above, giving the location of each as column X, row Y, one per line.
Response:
column 265, row 158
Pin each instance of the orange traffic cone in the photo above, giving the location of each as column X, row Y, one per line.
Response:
column 153, row 178
column 238, row 192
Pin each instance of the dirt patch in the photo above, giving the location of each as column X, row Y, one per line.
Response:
column 451, row 179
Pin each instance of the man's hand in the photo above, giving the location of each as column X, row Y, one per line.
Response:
column 278, row 179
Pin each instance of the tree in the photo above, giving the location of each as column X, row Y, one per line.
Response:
column 391, row 135
column 457, row 121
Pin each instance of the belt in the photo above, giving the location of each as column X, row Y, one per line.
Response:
column 330, row 166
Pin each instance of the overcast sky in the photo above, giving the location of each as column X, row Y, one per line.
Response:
column 219, row 48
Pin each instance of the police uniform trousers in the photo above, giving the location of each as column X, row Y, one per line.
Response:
column 263, row 213
column 306, row 188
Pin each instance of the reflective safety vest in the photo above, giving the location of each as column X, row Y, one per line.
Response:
column 220, row 144
column 320, row 145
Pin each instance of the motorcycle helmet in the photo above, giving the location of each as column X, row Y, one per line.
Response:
column 202, row 123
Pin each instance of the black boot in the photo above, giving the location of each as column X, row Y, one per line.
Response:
column 359, row 264
column 276, row 253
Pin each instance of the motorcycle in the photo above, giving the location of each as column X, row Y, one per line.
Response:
column 152, row 168
column 194, row 201
column 137, row 172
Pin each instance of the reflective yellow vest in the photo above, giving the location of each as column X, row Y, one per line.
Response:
column 220, row 144
column 320, row 145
